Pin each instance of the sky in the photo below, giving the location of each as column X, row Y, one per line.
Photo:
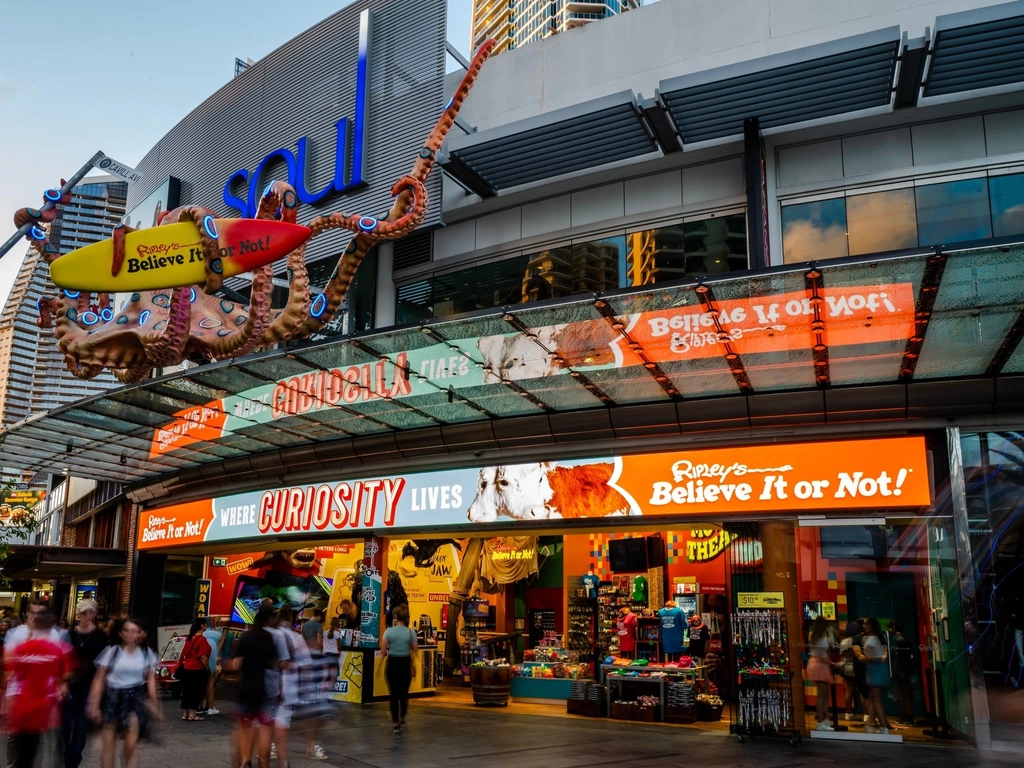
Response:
column 116, row 75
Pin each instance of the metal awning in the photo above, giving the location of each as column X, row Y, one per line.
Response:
column 35, row 562
column 819, row 81
column 980, row 48
column 586, row 135
column 878, row 338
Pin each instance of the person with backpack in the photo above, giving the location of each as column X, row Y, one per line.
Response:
column 397, row 646
column 193, row 670
column 37, row 670
column 122, row 698
column 297, row 670
column 89, row 641
column 256, row 658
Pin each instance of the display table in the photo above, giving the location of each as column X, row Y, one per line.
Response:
column 555, row 689
column 615, row 681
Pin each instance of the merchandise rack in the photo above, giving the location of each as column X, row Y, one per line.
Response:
column 764, row 694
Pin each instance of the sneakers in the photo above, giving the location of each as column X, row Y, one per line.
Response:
column 317, row 753
column 212, row 711
column 882, row 731
column 824, row 725
column 849, row 716
column 867, row 720
column 870, row 729
column 273, row 751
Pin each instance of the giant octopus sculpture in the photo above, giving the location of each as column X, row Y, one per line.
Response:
column 155, row 329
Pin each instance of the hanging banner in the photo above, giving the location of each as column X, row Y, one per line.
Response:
column 799, row 478
column 203, row 587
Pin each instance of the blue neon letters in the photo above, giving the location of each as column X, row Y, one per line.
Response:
column 348, row 176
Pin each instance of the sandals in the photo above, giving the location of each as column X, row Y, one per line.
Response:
column 194, row 718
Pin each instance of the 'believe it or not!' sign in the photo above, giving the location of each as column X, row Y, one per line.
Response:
column 203, row 587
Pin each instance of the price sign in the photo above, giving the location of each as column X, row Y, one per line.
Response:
column 760, row 600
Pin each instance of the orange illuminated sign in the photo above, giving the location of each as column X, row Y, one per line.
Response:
column 801, row 477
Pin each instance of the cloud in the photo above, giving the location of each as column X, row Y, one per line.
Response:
column 805, row 241
column 881, row 221
column 1010, row 221
column 7, row 89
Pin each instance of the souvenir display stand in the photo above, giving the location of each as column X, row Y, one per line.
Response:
column 764, row 695
column 653, row 676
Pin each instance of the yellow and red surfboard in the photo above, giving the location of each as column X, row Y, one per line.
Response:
column 172, row 255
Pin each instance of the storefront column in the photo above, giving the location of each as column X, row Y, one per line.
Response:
column 386, row 298
column 373, row 596
column 778, row 543
column 968, row 585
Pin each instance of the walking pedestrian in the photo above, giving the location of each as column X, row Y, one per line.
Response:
column 123, row 694
column 89, row 641
column 215, row 637
column 313, row 633
column 819, row 669
column 194, row 668
column 258, row 688
column 398, row 644
column 873, row 654
column 332, row 653
column 37, row 668
column 848, row 668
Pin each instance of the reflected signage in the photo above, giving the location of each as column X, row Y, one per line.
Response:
column 774, row 323
column 714, row 484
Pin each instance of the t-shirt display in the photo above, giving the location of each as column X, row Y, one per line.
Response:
column 626, row 626
column 673, row 625
column 698, row 637
column 591, row 583
column 640, row 589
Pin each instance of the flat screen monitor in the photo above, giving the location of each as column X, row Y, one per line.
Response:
column 305, row 594
column 627, row 555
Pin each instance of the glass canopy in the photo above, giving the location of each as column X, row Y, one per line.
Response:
column 827, row 325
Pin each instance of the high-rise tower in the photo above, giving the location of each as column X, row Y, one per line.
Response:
column 33, row 378
column 514, row 23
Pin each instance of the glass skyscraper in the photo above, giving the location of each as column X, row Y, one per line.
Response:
column 514, row 23
column 33, row 377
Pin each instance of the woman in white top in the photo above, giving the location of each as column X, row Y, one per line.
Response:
column 126, row 674
column 873, row 653
column 819, row 669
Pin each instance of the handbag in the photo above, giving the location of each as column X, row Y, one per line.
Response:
column 179, row 668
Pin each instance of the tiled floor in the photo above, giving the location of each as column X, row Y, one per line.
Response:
column 529, row 736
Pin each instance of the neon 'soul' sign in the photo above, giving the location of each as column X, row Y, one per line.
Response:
column 348, row 176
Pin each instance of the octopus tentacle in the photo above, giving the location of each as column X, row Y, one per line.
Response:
column 168, row 347
column 212, row 263
column 117, row 235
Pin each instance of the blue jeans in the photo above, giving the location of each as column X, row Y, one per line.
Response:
column 75, row 727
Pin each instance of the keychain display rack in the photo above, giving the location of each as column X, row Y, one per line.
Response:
column 581, row 633
column 764, row 695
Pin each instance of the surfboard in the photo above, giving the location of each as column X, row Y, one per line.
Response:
column 172, row 255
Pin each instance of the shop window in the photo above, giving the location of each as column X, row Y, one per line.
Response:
column 881, row 221
column 500, row 283
column 362, row 303
column 1007, row 197
column 707, row 246
column 596, row 264
column 814, row 231
column 548, row 274
column 953, row 212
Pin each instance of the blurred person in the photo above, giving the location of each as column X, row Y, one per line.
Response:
column 397, row 646
column 903, row 668
column 313, row 633
column 256, row 659
column 123, row 694
column 873, row 653
column 332, row 653
column 349, row 614
column 194, row 668
column 37, row 668
column 297, row 662
column 89, row 641
column 819, row 669
column 848, row 668
column 216, row 638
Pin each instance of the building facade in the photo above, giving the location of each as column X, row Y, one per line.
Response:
column 33, row 377
column 515, row 23
column 768, row 298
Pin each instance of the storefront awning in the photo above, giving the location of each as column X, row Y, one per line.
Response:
column 980, row 48
column 823, row 80
column 923, row 334
column 31, row 562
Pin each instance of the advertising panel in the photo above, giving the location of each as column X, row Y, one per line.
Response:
column 798, row 478
column 752, row 326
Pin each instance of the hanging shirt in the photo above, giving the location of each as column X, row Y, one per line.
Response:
column 591, row 583
column 673, row 626
column 626, row 626
column 699, row 636
column 640, row 589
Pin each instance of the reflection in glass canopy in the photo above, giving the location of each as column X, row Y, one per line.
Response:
column 792, row 328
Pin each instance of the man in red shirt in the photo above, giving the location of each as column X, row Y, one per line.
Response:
column 37, row 670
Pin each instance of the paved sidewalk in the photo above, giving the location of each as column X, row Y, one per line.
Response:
column 457, row 738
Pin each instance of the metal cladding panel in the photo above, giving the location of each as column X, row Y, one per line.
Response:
column 977, row 56
column 834, row 84
column 301, row 90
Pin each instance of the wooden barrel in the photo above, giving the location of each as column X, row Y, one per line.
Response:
column 491, row 685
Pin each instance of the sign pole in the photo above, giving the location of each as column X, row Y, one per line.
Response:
column 48, row 204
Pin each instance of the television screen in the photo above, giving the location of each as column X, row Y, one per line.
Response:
column 304, row 594
column 627, row 555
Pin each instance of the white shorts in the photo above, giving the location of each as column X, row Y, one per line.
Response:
column 283, row 716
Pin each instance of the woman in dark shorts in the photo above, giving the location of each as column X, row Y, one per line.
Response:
column 258, row 687
column 123, row 693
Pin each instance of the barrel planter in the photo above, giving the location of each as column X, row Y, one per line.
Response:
column 491, row 685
